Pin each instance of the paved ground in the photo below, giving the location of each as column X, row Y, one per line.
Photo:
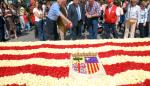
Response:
column 29, row 36
column 25, row 37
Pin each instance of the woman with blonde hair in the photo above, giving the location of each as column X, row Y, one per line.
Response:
column 132, row 17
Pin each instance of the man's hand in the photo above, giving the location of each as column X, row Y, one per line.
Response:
column 88, row 15
column 95, row 15
column 69, row 24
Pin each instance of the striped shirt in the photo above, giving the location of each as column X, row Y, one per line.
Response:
column 143, row 16
column 95, row 8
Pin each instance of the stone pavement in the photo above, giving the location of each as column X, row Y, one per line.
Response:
column 29, row 36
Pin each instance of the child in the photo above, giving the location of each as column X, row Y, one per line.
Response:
column 26, row 21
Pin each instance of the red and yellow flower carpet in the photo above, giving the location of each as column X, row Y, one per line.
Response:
column 123, row 62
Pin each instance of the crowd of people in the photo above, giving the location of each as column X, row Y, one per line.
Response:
column 13, row 21
column 53, row 21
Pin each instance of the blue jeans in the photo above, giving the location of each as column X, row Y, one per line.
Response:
column 93, row 29
column 40, row 31
column 110, row 28
column 27, row 26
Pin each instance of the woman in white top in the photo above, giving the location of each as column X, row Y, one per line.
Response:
column 121, row 13
column 38, row 13
column 131, row 19
column 142, row 19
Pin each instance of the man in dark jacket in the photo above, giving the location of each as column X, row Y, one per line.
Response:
column 76, row 15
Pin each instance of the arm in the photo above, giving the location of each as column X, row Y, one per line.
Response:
column 38, row 15
column 1, row 13
column 9, row 14
column 138, row 14
column 146, row 14
column 118, row 14
column 65, row 18
column 86, row 11
column 69, row 12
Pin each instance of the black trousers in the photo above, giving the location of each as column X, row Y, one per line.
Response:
column 51, row 30
column 143, row 30
column 110, row 28
column 147, row 29
column 2, row 31
column 76, row 31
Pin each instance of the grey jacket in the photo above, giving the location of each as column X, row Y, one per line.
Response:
column 148, row 16
column 73, row 15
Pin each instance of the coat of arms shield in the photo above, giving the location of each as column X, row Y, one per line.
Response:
column 85, row 64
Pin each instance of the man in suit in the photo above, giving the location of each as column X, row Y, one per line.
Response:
column 76, row 15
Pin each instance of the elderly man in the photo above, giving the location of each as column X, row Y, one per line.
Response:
column 111, row 16
column 93, row 11
column 76, row 15
column 51, row 25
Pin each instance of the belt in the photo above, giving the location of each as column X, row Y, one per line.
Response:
column 50, row 20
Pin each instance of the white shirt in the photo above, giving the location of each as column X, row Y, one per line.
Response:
column 120, row 11
column 133, row 12
column 35, row 10
column 143, row 16
column 78, row 12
